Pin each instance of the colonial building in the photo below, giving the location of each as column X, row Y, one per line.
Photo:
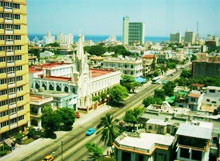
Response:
column 127, row 65
column 74, row 78
column 147, row 62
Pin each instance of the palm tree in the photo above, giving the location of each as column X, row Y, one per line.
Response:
column 108, row 130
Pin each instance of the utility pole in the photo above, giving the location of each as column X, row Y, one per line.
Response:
column 61, row 144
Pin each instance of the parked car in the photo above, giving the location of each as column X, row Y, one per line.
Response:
column 48, row 158
column 77, row 115
column 90, row 131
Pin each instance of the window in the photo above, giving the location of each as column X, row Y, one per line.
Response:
column 2, row 37
column 17, row 6
column 2, row 59
column 3, row 124
column 21, row 118
column 3, row 81
column 184, row 153
column 20, row 108
column 17, row 27
column 196, row 155
column 211, row 91
column 1, row 26
column 208, row 100
column 4, row 113
column 214, row 102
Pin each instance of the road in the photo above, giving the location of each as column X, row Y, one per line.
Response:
column 74, row 142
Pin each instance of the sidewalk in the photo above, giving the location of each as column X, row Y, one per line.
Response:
column 25, row 150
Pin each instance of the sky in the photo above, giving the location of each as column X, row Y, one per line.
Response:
column 104, row 17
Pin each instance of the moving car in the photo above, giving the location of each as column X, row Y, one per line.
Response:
column 48, row 158
column 90, row 131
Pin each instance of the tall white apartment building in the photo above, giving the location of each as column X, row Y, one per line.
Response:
column 175, row 37
column 65, row 39
column 190, row 37
column 48, row 39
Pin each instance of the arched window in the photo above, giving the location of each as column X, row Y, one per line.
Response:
column 66, row 89
column 74, row 90
column 51, row 87
column 58, row 88
column 37, row 86
column 44, row 86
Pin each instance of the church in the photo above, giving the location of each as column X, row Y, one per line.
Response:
column 76, row 78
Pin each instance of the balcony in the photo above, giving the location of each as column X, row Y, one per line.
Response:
column 13, row 115
column 8, row 21
column 9, row 31
column 9, row 53
column 11, row 84
column 11, row 74
column 8, row 9
column 9, row 42
column 14, row 125
column 11, row 95
column 10, row 63
column 12, row 105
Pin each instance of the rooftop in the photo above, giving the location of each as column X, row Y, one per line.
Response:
column 99, row 72
column 194, row 95
column 58, row 78
column 145, row 141
column 149, row 56
column 213, row 87
column 157, row 122
column 39, row 100
column 194, row 131
column 55, row 94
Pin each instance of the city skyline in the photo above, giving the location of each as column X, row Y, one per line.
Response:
column 104, row 18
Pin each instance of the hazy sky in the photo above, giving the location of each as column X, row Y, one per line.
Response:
column 104, row 17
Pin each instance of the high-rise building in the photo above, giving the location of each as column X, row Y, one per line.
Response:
column 14, row 78
column 133, row 32
column 65, row 39
column 48, row 39
column 175, row 37
column 190, row 37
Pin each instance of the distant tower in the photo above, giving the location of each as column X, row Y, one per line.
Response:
column 197, row 31
column 125, row 30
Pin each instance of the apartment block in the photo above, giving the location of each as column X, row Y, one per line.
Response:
column 14, row 79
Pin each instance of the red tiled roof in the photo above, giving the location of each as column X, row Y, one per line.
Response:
column 149, row 56
column 37, row 68
column 197, row 85
column 58, row 78
column 99, row 72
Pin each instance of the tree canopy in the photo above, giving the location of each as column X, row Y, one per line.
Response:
column 152, row 100
column 169, row 88
column 131, row 116
column 129, row 82
column 117, row 94
column 67, row 116
column 159, row 93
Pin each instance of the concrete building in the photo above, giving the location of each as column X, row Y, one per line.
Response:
column 133, row 32
column 175, row 37
column 193, row 142
column 37, row 104
column 14, row 82
column 48, row 39
column 143, row 147
column 127, row 65
column 189, row 37
column 65, row 39
column 195, row 100
column 46, row 54
column 206, row 68
column 147, row 62
column 212, row 96
column 75, row 78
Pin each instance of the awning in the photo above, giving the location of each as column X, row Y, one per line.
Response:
column 141, row 79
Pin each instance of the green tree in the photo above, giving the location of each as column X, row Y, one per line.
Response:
column 67, row 116
column 159, row 93
column 151, row 100
column 129, row 82
column 131, row 116
column 18, row 138
column 117, row 94
column 103, row 96
column 95, row 152
column 97, row 50
column 185, row 73
column 169, row 88
column 33, row 133
column 108, row 129
column 35, row 52
column 50, row 121
column 95, row 98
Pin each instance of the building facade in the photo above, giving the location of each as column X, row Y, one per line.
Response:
column 189, row 37
column 175, row 37
column 14, row 82
column 48, row 39
column 127, row 66
column 65, row 39
column 133, row 32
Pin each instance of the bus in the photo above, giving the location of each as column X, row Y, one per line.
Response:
column 156, row 80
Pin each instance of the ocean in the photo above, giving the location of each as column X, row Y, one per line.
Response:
column 99, row 38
